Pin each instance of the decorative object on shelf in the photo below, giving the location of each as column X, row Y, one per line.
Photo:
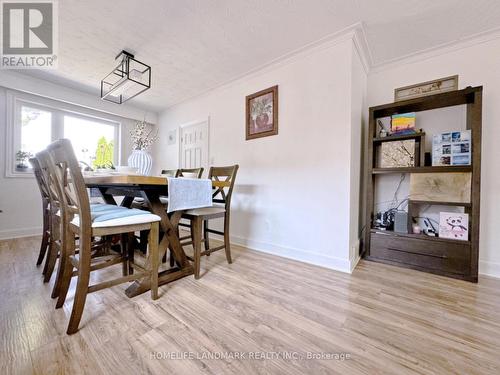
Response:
column 451, row 148
column 127, row 80
column 403, row 123
column 454, row 226
column 22, row 158
column 441, row 187
column 262, row 113
column 142, row 139
column 397, row 154
column 426, row 88
column 383, row 131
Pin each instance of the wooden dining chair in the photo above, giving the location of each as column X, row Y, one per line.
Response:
column 190, row 172
column 54, row 246
column 46, row 214
column 77, row 220
column 200, row 217
column 169, row 172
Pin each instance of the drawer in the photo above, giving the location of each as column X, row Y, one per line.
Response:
column 432, row 254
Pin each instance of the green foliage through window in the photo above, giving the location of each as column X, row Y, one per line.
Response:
column 104, row 154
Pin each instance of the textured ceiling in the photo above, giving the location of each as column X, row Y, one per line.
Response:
column 196, row 45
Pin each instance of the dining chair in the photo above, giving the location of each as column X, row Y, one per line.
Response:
column 54, row 246
column 200, row 217
column 169, row 172
column 77, row 219
column 46, row 214
column 190, row 172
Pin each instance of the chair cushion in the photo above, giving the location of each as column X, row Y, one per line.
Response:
column 206, row 211
column 113, row 216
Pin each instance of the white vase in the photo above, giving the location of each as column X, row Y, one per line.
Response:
column 141, row 160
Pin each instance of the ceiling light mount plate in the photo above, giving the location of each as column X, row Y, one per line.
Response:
column 127, row 80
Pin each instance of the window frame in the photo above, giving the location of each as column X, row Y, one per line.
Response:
column 14, row 103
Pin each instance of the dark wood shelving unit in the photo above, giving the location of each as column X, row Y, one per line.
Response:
column 448, row 257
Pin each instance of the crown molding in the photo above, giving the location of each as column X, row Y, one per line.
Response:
column 348, row 33
column 362, row 47
column 441, row 49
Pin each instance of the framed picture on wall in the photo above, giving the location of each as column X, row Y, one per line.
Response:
column 262, row 113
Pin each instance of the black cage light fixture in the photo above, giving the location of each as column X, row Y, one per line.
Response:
column 127, row 80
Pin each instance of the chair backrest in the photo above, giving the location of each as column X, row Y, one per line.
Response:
column 40, row 179
column 66, row 177
column 169, row 172
column 190, row 172
column 43, row 161
column 226, row 174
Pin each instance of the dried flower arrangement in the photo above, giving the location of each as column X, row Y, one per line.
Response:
column 142, row 137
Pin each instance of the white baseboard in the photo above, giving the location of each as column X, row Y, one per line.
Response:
column 354, row 262
column 334, row 263
column 18, row 233
column 489, row 268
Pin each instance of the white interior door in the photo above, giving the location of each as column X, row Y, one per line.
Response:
column 194, row 145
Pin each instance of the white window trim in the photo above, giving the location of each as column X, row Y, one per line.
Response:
column 59, row 110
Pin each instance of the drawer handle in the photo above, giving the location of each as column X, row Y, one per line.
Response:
column 412, row 252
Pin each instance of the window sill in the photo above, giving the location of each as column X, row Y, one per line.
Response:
column 19, row 174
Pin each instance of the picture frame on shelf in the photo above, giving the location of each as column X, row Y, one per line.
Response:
column 454, row 226
column 418, row 90
column 451, row 148
column 398, row 154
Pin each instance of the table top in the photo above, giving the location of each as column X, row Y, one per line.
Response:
column 133, row 179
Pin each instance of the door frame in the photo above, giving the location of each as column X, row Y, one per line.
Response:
column 192, row 123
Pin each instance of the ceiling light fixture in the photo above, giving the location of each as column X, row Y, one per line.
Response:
column 127, row 80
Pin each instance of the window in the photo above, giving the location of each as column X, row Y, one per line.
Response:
column 93, row 141
column 34, row 125
column 36, row 129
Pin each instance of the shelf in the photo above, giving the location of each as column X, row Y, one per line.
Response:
column 417, row 236
column 447, row 99
column 440, row 203
column 391, row 138
column 443, row 169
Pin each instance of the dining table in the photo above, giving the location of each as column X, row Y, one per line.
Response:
column 150, row 188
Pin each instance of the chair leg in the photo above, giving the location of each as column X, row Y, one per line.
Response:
column 82, row 285
column 227, row 243
column 63, row 261
column 196, row 236
column 205, row 236
column 130, row 252
column 67, row 271
column 45, row 239
column 172, row 259
column 154, row 256
column 124, row 250
column 50, row 261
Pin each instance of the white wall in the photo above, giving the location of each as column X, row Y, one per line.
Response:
column 293, row 193
column 476, row 65
column 19, row 197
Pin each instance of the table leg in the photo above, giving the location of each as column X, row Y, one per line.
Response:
column 108, row 198
column 170, row 240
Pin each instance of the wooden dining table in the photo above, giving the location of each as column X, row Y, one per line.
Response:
column 150, row 188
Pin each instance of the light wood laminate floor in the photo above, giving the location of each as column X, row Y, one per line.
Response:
column 388, row 320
